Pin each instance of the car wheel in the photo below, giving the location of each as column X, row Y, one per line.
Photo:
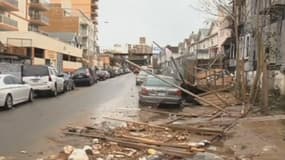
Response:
column 31, row 96
column 72, row 86
column 65, row 89
column 9, row 102
column 54, row 93
column 141, row 104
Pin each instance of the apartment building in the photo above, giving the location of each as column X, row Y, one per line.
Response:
column 22, row 40
column 88, row 7
column 266, row 18
column 36, row 10
column 72, row 26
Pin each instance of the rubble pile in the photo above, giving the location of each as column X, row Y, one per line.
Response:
column 138, row 140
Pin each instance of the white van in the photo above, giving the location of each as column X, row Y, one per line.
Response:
column 43, row 79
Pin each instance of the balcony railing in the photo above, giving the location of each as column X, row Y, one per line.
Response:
column 9, row 4
column 9, row 22
column 39, row 19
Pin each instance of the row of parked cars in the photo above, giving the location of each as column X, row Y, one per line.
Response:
column 39, row 79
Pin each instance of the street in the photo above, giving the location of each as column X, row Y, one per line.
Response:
column 28, row 126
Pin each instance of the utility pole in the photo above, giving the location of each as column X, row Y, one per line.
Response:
column 236, row 30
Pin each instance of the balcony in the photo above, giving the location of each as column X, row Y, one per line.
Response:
column 94, row 4
column 8, row 24
column 40, row 5
column 94, row 20
column 39, row 20
column 9, row 5
column 94, row 13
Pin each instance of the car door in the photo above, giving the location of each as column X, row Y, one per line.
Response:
column 59, row 81
column 13, row 89
column 22, row 89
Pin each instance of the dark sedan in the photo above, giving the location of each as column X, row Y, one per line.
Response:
column 84, row 76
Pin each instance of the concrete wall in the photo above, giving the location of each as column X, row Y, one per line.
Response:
column 71, row 66
column 41, row 41
column 14, row 69
column 58, row 22
column 83, row 5
column 39, row 61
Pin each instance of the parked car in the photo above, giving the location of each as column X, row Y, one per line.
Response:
column 141, row 77
column 68, row 82
column 107, row 74
column 13, row 91
column 85, row 76
column 112, row 73
column 43, row 79
column 102, row 75
column 155, row 91
column 117, row 72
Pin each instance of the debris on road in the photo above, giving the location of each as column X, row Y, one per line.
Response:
column 139, row 140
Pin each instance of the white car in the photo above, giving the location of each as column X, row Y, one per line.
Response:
column 13, row 91
column 43, row 79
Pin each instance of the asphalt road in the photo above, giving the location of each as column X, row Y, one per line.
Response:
column 28, row 126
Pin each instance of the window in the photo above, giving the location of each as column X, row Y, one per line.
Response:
column 11, row 80
column 35, row 71
column 39, row 53
column 8, row 80
column 15, row 80
column 65, row 57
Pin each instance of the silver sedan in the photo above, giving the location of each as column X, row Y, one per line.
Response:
column 154, row 92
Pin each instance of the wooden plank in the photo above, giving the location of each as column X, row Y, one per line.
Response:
column 140, row 123
column 208, row 131
column 170, row 113
column 214, row 91
column 123, row 142
column 222, row 100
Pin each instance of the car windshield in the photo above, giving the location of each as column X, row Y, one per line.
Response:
column 152, row 81
column 35, row 71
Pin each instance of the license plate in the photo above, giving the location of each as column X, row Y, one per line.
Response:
column 161, row 94
column 35, row 80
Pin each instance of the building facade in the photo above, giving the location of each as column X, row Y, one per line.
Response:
column 265, row 18
column 74, row 27
column 21, row 37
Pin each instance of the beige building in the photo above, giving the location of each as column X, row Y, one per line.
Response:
column 20, row 36
column 72, row 26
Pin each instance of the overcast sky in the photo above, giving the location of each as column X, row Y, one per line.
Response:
column 164, row 21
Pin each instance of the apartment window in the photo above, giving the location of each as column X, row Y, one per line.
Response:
column 72, row 58
column 65, row 57
column 39, row 53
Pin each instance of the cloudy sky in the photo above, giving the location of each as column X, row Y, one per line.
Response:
column 164, row 21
